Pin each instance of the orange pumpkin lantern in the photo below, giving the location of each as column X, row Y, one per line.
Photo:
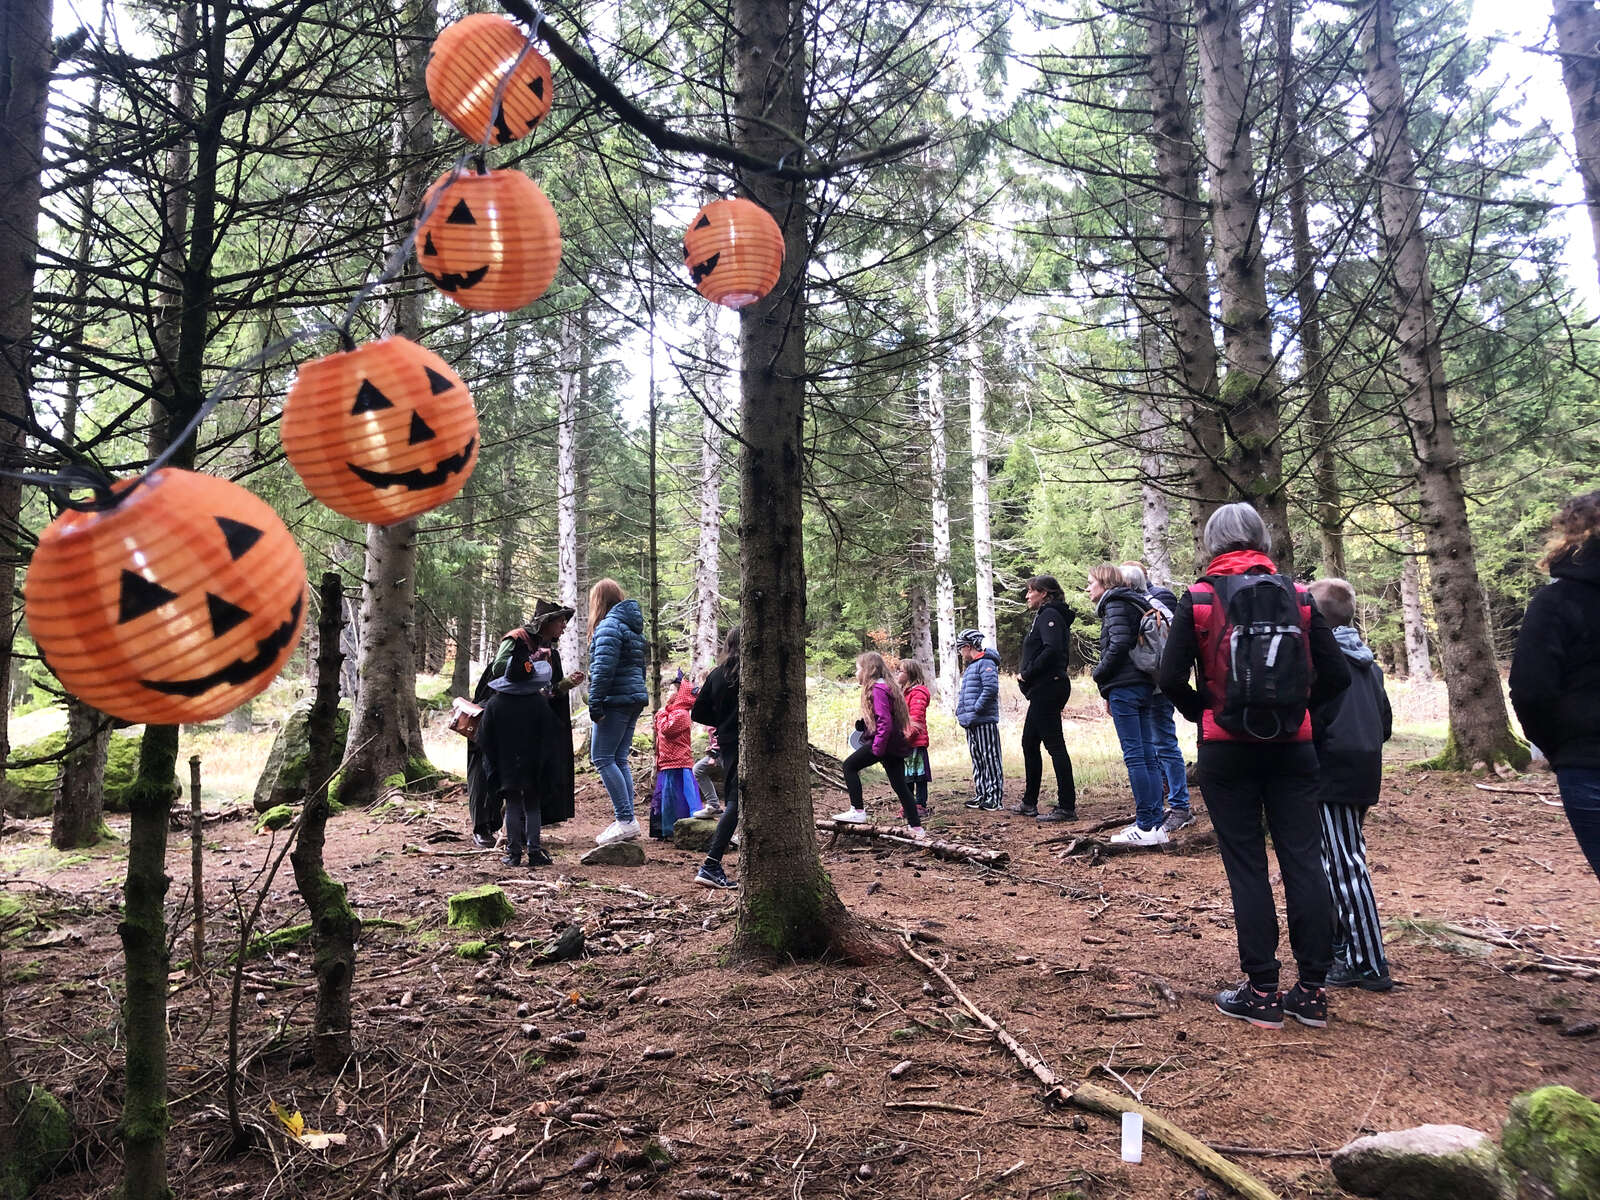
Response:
column 177, row 605
column 465, row 68
column 492, row 242
column 381, row 433
column 734, row 252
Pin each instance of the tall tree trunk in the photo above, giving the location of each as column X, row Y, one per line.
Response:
column 787, row 904
column 1324, row 467
column 921, row 614
column 707, row 558
column 385, row 726
column 1479, row 728
column 80, row 804
column 1249, row 391
column 25, row 62
column 1183, row 223
column 334, row 924
column 461, row 679
column 1154, row 515
column 939, row 491
column 978, row 435
column 569, row 398
column 1419, row 666
column 1578, row 42
column 653, row 578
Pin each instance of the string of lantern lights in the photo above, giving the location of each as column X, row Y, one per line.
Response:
column 174, row 596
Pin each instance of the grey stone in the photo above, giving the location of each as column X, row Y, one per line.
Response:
column 1430, row 1162
column 615, row 854
column 283, row 779
column 693, row 833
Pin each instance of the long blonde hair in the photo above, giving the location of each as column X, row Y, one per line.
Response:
column 871, row 669
column 1573, row 528
column 603, row 597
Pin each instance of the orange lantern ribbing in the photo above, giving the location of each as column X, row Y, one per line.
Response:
column 734, row 252
column 492, row 242
column 465, row 68
column 381, row 433
column 176, row 606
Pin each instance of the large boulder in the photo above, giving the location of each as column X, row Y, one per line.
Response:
column 31, row 791
column 44, row 1138
column 1430, row 1162
column 283, row 779
column 615, row 854
column 1552, row 1135
column 693, row 833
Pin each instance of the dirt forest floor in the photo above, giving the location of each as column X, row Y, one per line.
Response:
column 685, row 1074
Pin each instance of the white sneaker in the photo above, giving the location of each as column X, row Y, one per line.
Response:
column 852, row 816
column 918, row 832
column 1134, row 836
column 618, row 831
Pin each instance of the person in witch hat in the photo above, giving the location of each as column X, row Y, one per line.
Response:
column 518, row 748
column 543, row 629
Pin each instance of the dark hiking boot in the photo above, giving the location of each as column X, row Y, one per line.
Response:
column 1178, row 818
column 1058, row 813
column 511, row 858
column 1345, row 976
column 1264, row 1009
column 538, row 856
column 482, row 842
column 1309, row 1006
column 1024, row 810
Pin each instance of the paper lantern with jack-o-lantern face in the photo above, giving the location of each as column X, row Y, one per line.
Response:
column 176, row 605
column 465, row 69
column 381, row 433
column 492, row 242
column 734, row 252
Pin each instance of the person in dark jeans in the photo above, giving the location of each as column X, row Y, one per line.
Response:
column 885, row 720
column 1555, row 673
column 1246, row 778
column 717, row 705
column 1128, row 694
column 1044, row 681
column 1169, row 754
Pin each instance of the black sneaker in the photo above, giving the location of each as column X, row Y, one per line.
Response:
column 1059, row 814
column 1024, row 810
column 974, row 803
column 1344, row 976
column 989, row 805
column 511, row 858
column 482, row 842
column 714, row 877
column 1259, row 1008
column 540, row 857
column 1178, row 818
column 1309, row 1006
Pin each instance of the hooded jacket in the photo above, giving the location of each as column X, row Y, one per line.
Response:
column 674, row 730
column 717, row 705
column 888, row 740
column 616, row 659
column 917, row 697
column 1120, row 610
column 1555, row 673
column 1349, row 729
column 978, row 701
column 1044, row 650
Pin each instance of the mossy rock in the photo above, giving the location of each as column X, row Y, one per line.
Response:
column 44, row 1138
column 693, row 833
column 278, row 939
column 275, row 818
column 283, row 779
column 434, row 692
column 473, row 949
column 483, row 907
column 1429, row 1162
column 1553, row 1135
column 31, row 791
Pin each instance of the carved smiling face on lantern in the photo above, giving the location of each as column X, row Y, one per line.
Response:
column 491, row 242
column 175, row 606
column 734, row 252
column 381, row 433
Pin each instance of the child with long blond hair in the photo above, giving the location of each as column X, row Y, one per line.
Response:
column 885, row 720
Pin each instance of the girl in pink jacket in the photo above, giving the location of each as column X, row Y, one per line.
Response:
column 885, row 722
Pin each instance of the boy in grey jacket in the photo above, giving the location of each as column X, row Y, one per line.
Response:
column 978, row 712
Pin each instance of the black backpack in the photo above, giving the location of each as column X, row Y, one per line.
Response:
column 1258, row 654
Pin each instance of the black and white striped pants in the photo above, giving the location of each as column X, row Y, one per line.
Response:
column 988, row 774
column 1357, row 934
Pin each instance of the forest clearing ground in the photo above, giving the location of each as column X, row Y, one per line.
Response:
column 683, row 1045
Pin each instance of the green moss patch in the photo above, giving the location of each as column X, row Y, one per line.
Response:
column 44, row 1137
column 473, row 949
column 275, row 818
column 484, row 907
column 31, row 791
column 1553, row 1134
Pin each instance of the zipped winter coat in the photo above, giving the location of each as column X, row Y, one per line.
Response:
column 1120, row 610
column 887, row 740
column 917, row 697
column 717, row 705
column 674, row 728
column 617, row 658
column 978, row 701
column 1555, row 673
column 1044, row 650
column 1349, row 729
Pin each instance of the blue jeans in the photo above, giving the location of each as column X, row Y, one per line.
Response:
column 1169, row 755
column 1133, row 715
column 609, row 746
column 1580, row 793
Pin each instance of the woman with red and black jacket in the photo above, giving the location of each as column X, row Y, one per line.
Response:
column 1250, row 634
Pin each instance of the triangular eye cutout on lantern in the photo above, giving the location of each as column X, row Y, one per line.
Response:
column 702, row 222
column 224, row 616
column 419, row 429
column 536, row 86
column 140, row 596
column 461, row 215
column 437, row 383
column 427, row 245
column 369, row 399
column 239, row 536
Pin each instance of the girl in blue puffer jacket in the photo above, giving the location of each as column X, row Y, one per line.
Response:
column 617, row 695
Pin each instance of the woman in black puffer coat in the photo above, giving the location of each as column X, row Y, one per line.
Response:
column 1044, row 681
column 1555, row 674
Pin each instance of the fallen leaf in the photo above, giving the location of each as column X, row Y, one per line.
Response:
column 313, row 1140
column 500, row 1131
column 292, row 1121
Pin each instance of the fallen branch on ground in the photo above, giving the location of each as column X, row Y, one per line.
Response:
column 953, row 851
column 931, row 1106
